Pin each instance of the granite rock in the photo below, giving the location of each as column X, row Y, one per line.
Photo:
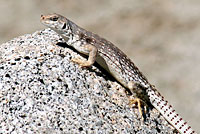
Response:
column 42, row 91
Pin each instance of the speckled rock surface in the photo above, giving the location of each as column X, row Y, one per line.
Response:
column 42, row 91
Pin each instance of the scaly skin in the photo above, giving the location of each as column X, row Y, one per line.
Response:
column 115, row 62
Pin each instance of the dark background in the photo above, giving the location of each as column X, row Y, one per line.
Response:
column 161, row 37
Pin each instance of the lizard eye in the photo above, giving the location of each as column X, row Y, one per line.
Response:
column 54, row 18
column 88, row 40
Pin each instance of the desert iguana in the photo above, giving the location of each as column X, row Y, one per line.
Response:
column 115, row 62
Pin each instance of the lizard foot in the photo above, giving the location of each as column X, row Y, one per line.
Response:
column 81, row 62
column 139, row 103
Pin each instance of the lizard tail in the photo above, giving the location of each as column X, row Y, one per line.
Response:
column 158, row 101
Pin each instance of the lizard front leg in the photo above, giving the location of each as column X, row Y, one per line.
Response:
column 88, row 49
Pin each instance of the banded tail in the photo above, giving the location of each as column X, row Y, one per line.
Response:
column 158, row 101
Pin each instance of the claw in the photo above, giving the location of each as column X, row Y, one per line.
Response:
column 139, row 102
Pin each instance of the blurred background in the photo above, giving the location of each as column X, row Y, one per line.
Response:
column 161, row 37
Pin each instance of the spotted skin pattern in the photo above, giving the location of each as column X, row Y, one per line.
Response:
column 158, row 101
column 115, row 62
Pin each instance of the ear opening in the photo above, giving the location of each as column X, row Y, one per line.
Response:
column 64, row 26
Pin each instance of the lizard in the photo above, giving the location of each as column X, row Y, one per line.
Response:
column 114, row 61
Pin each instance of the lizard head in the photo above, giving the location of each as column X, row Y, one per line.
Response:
column 57, row 23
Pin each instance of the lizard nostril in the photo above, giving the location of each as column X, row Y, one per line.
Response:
column 42, row 17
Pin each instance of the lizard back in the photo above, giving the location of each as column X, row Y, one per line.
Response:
column 110, row 55
column 121, row 65
column 117, row 63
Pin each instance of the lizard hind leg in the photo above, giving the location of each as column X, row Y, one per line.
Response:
column 139, row 103
column 134, row 86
